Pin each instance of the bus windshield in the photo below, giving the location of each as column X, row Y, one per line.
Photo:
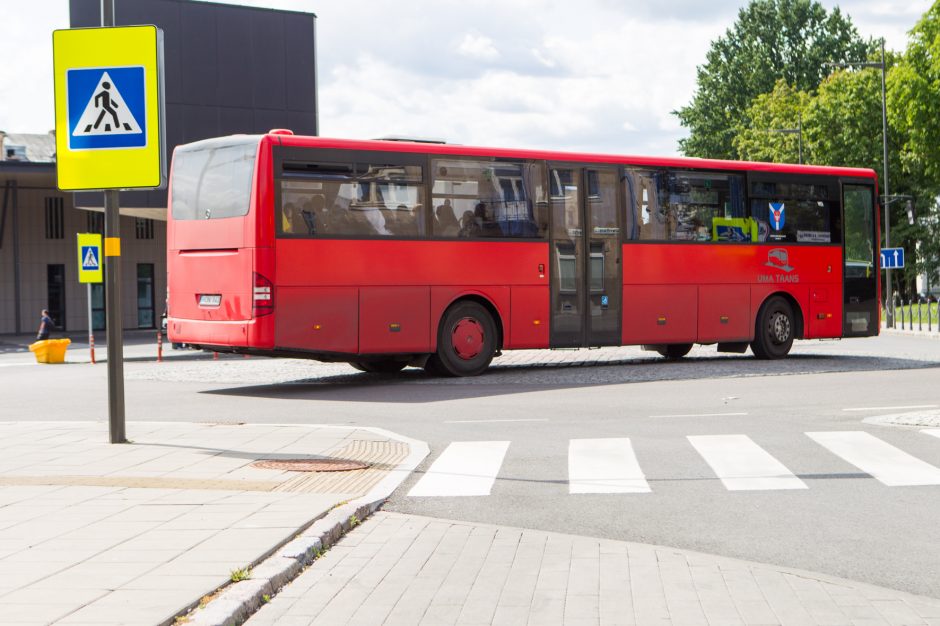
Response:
column 212, row 179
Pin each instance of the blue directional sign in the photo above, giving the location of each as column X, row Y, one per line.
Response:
column 892, row 258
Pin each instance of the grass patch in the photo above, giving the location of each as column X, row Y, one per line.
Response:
column 239, row 575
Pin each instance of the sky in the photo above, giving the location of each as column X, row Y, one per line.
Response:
column 603, row 77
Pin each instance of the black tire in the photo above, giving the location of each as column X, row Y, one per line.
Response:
column 775, row 329
column 674, row 351
column 466, row 341
column 381, row 366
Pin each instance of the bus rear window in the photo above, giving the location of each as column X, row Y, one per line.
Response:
column 212, row 180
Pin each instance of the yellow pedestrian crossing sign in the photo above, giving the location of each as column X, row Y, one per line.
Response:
column 109, row 108
column 89, row 258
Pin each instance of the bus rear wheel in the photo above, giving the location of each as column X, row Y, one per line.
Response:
column 381, row 366
column 674, row 351
column 776, row 328
column 466, row 341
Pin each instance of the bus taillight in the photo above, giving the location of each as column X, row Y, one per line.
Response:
column 263, row 296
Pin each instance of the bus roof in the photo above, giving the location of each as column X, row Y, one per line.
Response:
column 551, row 155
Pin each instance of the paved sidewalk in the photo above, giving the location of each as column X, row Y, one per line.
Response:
column 405, row 569
column 139, row 345
column 93, row 533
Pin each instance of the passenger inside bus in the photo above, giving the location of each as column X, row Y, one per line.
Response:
column 446, row 224
column 288, row 215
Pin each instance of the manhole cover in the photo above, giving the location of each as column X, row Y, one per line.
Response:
column 310, row 465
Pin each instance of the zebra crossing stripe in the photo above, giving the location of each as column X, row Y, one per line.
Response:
column 742, row 465
column 932, row 431
column 889, row 465
column 604, row 466
column 464, row 468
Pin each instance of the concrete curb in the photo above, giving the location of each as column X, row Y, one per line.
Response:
column 234, row 603
column 934, row 334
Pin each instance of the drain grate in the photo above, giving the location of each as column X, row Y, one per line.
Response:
column 311, row 465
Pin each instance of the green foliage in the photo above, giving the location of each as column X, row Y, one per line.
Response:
column 927, row 260
column 769, row 113
column 843, row 123
column 772, row 40
column 914, row 97
column 241, row 574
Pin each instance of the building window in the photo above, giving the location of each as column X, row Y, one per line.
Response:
column 144, row 228
column 146, row 317
column 95, row 222
column 55, row 217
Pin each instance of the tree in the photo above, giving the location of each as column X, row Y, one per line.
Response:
column 843, row 126
column 781, row 109
column 843, row 123
column 771, row 40
column 914, row 98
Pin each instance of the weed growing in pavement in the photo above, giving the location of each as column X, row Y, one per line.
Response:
column 354, row 521
column 240, row 574
column 266, row 598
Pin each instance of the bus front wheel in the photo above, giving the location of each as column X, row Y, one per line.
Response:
column 775, row 329
column 466, row 341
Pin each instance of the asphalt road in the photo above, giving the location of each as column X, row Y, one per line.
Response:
column 845, row 522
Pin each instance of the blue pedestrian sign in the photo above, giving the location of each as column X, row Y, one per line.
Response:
column 106, row 108
column 90, row 258
column 892, row 258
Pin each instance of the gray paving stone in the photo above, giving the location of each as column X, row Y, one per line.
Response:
column 512, row 576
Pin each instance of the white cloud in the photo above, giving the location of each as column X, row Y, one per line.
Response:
column 478, row 47
column 601, row 75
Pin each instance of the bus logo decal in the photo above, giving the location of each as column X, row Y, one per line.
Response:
column 777, row 215
column 778, row 258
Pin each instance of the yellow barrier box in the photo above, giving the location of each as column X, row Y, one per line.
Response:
column 50, row 350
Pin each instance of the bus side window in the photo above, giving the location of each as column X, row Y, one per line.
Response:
column 647, row 219
column 488, row 198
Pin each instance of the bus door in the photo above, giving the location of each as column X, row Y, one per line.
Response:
column 860, row 316
column 586, row 282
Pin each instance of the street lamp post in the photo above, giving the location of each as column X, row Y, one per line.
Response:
column 798, row 131
column 884, row 135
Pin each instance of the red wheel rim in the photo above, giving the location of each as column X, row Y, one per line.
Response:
column 467, row 338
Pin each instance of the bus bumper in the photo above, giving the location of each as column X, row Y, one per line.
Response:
column 238, row 333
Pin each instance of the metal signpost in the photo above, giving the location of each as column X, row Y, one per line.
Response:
column 110, row 136
column 90, row 271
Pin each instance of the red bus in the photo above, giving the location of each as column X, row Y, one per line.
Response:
column 391, row 253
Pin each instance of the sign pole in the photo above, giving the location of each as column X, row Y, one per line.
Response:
column 91, row 328
column 109, row 137
column 112, row 253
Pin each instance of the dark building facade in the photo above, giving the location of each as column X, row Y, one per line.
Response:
column 228, row 69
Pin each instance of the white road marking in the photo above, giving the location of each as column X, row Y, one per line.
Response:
column 700, row 415
column 464, row 468
column 888, row 464
column 892, row 408
column 522, row 419
column 932, row 431
column 742, row 465
column 604, row 466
